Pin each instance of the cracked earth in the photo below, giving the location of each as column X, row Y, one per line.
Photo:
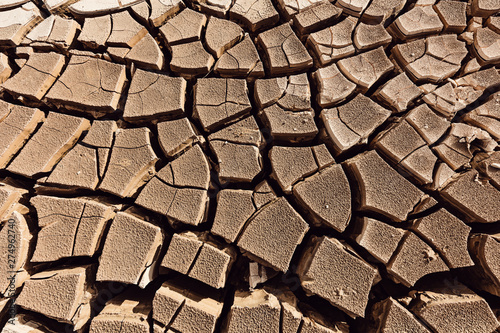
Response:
column 260, row 166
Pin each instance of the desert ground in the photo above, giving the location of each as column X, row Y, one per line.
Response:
column 260, row 166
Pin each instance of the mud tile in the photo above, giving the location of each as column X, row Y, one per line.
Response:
column 484, row 8
column 123, row 312
column 237, row 149
column 453, row 15
column 333, row 43
column 66, row 288
column 254, row 311
column 383, row 189
column 352, row 123
column 190, row 59
column 255, row 14
column 63, row 33
column 378, row 238
column 184, row 27
column 353, row 7
column 49, row 144
column 17, row 22
column 476, row 199
column 486, row 116
column 95, row 31
column 291, row 8
column 15, row 129
column 69, row 227
column 12, row 3
column 418, row 21
column 234, row 208
column 272, row 235
column 390, row 315
column 406, row 53
column 442, row 59
column 9, row 199
column 182, row 252
column 330, row 270
column 290, row 126
column 147, row 54
column 190, row 170
column 41, row 32
column 471, row 312
column 162, row 10
column 78, row 168
column 398, row 93
column 489, row 166
column 333, row 86
column 179, row 190
column 493, row 22
column 218, row 43
column 89, row 84
column 218, row 101
column 36, row 77
column 427, row 123
column 449, row 99
column 176, row 136
column 131, row 162
column 291, row 93
column 291, row 119
column 212, row 265
column 130, row 251
column 125, row 31
column 413, row 260
column 463, row 141
column 487, row 46
column 218, row 8
column 315, row 17
column 404, row 145
column 367, row 68
column 291, row 164
column 378, row 11
column 326, row 195
column 242, row 60
column 198, row 314
column 448, row 234
column 85, row 164
column 370, row 36
column 167, row 301
column 236, row 163
column 185, row 311
column 284, row 52
column 153, row 95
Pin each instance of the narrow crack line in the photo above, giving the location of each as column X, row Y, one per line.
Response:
column 40, row 71
column 410, row 153
column 106, row 167
column 234, row 142
column 195, row 258
column 77, row 227
column 179, row 187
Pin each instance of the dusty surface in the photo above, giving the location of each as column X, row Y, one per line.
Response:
column 260, row 166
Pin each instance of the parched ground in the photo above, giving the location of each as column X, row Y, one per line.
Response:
column 261, row 166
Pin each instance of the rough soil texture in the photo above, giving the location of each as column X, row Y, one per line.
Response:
column 250, row 166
